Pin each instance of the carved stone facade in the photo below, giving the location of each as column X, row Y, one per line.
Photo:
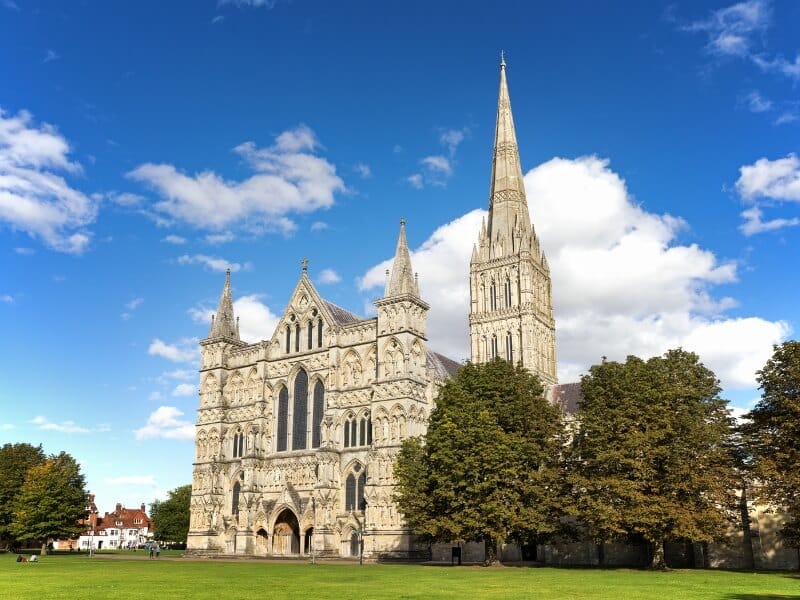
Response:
column 296, row 436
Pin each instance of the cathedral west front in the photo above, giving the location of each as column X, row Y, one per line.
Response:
column 296, row 435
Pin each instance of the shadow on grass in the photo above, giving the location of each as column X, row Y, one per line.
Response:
column 762, row 597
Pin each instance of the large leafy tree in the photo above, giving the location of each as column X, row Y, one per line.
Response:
column 772, row 431
column 171, row 516
column 50, row 502
column 15, row 460
column 488, row 467
column 653, row 452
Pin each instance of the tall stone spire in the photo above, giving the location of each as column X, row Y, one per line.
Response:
column 402, row 280
column 223, row 324
column 509, row 220
column 511, row 307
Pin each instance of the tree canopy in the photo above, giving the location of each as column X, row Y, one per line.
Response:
column 652, row 455
column 171, row 516
column 15, row 460
column 488, row 467
column 772, row 434
column 50, row 501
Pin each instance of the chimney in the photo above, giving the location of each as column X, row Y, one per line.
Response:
column 144, row 509
column 119, row 508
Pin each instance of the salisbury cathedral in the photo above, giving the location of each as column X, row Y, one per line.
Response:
column 296, row 435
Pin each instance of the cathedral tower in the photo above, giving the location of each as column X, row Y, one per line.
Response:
column 511, row 309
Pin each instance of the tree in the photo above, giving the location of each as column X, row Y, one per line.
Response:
column 50, row 502
column 487, row 469
column 653, row 453
column 772, row 430
column 171, row 516
column 15, row 460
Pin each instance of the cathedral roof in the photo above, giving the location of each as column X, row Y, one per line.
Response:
column 567, row 396
column 341, row 315
column 443, row 366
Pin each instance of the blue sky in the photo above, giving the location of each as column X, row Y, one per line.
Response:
column 145, row 147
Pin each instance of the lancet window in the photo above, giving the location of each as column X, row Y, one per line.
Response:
column 300, row 413
column 316, row 417
column 283, row 420
column 238, row 444
column 354, row 488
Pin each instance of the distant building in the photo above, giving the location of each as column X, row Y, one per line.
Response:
column 125, row 528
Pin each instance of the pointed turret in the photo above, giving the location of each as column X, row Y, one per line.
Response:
column 508, row 208
column 223, row 323
column 402, row 280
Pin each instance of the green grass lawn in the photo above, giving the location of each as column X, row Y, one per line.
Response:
column 77, row 577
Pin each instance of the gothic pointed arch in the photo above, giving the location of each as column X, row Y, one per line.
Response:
column 318, row 410
column 282, row 424
column 300, row 410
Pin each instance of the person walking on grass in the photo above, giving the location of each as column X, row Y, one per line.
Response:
column 152, row 551
column 158, row 550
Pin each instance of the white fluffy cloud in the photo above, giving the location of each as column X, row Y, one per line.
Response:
column 34, row 198
column 328, row 276
column 211, row 262
column 732, row 30
column 290, row 178
column 256, row 321
column 165, row 422
column 185, row 389
column 768, row 182
column 622, row 284
column 184, row 350
column 63, row 427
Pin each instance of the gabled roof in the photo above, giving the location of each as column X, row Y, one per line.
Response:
column 566, row 396
column 340, row 315
column 443, row 367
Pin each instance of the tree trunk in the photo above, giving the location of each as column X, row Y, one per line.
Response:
column 490, row 551
column 659, row 561
column 601, row 554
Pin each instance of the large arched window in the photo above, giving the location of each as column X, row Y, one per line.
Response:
column 494, row 346
column 297, row 338
column 300, row 413
column 509, row 347
column 310, row 335
column 492, row 297
column 354, row 488
column 283, row 420
column 316, row 417
column 319, row 333
column 507, row 290
column 288, row 339
column 235, row 499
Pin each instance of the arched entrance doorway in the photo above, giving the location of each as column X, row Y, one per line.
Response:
column 261, row 541
column 354, row 543
column 307, row 541
column 286, row 534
